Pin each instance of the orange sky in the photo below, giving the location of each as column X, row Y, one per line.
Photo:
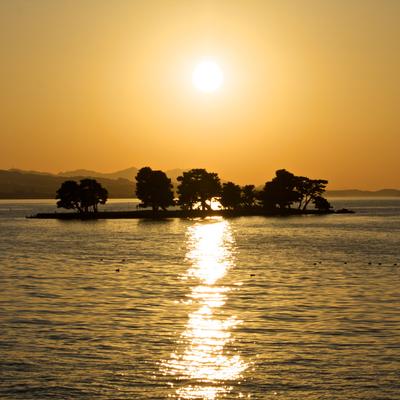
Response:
column 310, row 86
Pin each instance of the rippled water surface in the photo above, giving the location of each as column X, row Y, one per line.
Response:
column 262, row 308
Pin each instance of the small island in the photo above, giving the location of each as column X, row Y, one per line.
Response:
column 199, row 193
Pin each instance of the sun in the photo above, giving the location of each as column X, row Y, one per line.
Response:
column 207, row 76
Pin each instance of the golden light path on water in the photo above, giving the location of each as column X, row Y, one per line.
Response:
column 203, row 362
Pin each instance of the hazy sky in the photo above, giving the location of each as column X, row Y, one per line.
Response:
column 310, row 86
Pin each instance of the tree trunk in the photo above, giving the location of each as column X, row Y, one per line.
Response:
column 307, row 203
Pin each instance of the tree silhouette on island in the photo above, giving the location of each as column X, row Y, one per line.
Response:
column 84, row 197
column 154, row 189
column 231, row 196
column 287, row 188
column 197, row 188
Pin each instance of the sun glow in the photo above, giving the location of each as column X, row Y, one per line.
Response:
column 207, row 76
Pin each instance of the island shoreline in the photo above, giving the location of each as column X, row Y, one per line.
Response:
column 149, row 214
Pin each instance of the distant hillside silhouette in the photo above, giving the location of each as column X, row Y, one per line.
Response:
column 22, row 171
column 20, row 184
column 128, row 173
column 15, row 184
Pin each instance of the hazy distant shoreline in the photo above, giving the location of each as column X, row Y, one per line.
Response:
column 18, row 184
column 363, row 193
column 336, row 195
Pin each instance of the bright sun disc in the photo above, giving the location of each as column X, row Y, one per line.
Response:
column 207, row 76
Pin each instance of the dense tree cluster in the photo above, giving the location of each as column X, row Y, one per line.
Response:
column 83, row 197
column 286, row 189
column 198, row 188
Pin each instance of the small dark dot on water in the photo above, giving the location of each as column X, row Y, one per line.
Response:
column 117, row 270
column 315, row 264
column 252, row 274
column 379, row 263
column 369, row 263
column 345, row 262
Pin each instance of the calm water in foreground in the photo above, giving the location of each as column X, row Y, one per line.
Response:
column 262, row 308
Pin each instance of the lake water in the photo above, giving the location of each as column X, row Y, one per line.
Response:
column 255, row 308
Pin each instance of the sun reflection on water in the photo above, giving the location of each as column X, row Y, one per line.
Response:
column 210, row 251
column 204, row 364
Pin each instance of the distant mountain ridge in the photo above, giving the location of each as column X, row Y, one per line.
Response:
column 128, row 173
column 17, row 184
column 20, row 184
